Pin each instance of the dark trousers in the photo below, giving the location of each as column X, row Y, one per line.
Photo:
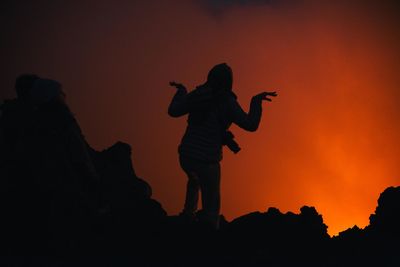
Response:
column 205, row 178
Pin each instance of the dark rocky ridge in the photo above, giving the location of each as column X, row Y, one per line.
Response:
column 135, row 231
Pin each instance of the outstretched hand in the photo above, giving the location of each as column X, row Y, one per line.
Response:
column 265, row 96
column 178, row 86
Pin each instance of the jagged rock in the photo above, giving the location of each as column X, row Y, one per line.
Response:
column 386, row 218
column 136, row 227
column 276, row 238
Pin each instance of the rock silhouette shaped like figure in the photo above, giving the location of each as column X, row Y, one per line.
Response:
column 212, row 107
column 16, row 114
column 61, row 197
column 64, row 180
column 15, row 117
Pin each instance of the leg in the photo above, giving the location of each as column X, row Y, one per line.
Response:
column 192, row 189
column 192, row 194
column 210, row 178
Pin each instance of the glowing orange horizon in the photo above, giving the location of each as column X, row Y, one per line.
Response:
column 329, row 140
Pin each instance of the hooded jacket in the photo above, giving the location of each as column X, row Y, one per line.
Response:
column 202, row 140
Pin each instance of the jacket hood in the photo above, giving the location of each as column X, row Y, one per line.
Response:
column 220, row 77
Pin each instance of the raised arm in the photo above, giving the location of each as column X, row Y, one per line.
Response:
column 178, row 106
column 250, row 121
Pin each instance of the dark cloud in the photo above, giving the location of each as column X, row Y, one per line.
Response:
column 218, row 7
column 227, row 3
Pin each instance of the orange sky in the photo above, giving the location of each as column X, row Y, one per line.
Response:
column 330, row 140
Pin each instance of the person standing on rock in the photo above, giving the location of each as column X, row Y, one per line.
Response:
column 212, row 107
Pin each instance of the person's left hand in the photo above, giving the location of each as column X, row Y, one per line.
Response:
column 264, row 96
column 178, row 86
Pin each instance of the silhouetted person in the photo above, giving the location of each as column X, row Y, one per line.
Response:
column 16, row 114
column 15, row 183
column 65, row 182
column 212, row 108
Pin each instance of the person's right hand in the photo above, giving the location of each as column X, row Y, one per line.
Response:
column 178, row 86
column 264, row 96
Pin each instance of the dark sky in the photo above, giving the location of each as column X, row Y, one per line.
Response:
column 331, row 138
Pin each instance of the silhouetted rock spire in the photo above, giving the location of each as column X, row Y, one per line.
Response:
column 387, row 214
